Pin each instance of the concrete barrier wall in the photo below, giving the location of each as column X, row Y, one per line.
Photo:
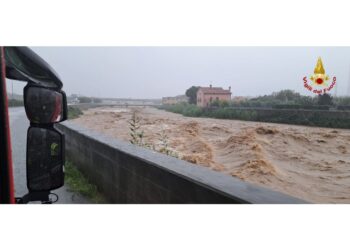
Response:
column 126, row 173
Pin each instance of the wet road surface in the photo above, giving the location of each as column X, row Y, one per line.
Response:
column 19, row 125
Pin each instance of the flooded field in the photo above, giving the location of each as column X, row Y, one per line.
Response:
column 306, row 162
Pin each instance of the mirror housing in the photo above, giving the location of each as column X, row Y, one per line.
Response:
column 43, row 105
column 45, row 159
column 23, row 64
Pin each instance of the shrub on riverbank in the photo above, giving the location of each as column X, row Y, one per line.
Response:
column 74, row 112
column 315, row 117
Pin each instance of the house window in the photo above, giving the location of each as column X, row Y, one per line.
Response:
column 211, row 99
column 217, row 98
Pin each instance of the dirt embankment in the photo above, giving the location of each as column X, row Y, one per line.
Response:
column 309, row 163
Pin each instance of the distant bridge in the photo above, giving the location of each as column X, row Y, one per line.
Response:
column 96, row 105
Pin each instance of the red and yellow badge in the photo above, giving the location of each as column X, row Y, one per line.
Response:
column 319, row 80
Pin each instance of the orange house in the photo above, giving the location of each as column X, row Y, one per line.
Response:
column 207, row 95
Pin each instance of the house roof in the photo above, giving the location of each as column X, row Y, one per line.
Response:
column 214, row 90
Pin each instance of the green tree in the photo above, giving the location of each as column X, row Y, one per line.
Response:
column 84, row 99
column 191, row 93
column 97, row 100
column 287, row 95
column 215, row 103
column 220, row 103
column 224, row 104
column 343, row 100
column 325, row 99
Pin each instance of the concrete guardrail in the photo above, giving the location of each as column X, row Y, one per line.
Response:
column 126, row 173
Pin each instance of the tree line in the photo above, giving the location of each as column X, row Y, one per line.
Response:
column 285, row 106
column 282, row 99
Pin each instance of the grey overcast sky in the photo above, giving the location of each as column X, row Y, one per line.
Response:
column 154, row 72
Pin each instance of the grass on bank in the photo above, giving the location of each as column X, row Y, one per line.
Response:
column 78, row 183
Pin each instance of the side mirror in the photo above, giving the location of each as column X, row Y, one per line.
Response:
column 45, row 159
column 23, row 64
column 44, row 106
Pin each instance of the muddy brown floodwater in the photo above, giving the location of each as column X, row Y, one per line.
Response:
column 307, row 162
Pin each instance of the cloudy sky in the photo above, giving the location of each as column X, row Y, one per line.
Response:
column 154, row 72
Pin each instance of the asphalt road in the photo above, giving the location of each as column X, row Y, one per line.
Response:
column 19, row 125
